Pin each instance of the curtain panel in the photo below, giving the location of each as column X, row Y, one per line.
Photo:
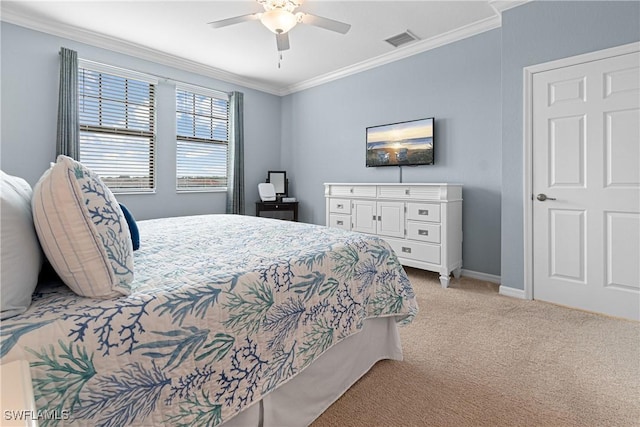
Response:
column 235, row 162
column 67, row 137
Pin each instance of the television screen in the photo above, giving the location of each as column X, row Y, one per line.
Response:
column 404, row 143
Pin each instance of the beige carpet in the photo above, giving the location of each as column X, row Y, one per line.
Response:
column 476, row 358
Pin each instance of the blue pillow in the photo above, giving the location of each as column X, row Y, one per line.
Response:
column 133, row 227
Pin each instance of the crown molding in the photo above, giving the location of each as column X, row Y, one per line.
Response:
column 501, row 5
column 403, row 52
column 133, row 49
column 7, row 14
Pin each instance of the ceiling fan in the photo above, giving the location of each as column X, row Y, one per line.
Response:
column 279, row 17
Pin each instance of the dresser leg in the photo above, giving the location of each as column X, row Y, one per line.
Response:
column 457, row 272
column 444, row 280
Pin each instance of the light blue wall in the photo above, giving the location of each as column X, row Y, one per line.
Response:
column 29, row 85
column 473, row 87
column 535, row 33
column 323, row 137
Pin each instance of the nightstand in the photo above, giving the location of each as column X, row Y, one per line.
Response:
column 279, row 210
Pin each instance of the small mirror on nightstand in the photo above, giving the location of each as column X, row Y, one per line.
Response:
column 280, row 183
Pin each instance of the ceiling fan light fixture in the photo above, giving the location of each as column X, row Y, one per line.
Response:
column 278, row 21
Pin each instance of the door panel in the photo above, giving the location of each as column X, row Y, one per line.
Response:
column 364, row 216
column 567, row 152
column 391, row 219
column 623, row 253
column 624, row 80
column 567, row 243
column 567, row 90
column 586, row 156
column 622, row 134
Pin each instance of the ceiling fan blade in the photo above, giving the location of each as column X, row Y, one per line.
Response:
column 235, row 20
column 326, row 23
column 283, row 41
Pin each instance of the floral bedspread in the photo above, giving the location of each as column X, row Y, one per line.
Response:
column 223, row 309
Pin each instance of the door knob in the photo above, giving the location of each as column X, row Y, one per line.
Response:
column 542, row 197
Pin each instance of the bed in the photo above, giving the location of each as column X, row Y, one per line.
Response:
column 231, row 320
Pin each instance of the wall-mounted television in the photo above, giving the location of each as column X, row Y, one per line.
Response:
column 407, row 143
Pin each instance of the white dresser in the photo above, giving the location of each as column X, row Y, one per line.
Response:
column 421, row 222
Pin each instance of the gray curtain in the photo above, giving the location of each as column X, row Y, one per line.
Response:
column 235, row 161
column 67, row 138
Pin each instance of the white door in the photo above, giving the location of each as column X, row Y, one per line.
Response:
column 586, row 162
column 391, row 219
column 364, row 216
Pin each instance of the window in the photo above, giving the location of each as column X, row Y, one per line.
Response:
column 202, row 118
column 117, row 126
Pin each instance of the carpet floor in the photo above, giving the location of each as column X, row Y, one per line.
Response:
column 475, row 358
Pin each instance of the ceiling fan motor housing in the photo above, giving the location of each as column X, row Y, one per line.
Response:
column 278, row 21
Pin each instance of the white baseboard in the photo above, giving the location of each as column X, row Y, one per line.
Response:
column 481, row 276
column 502, row 290
column 512, row 292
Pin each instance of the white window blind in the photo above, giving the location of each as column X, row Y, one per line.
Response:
column 117, row 128
column 202, row 119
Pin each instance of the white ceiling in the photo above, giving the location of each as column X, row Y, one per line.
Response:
column 176, row 33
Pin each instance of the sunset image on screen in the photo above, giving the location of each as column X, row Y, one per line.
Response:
column 406, row 143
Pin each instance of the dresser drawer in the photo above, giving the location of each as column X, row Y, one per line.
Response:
column 416, row 251
column 340, row 206
column 394, row 192
column 340, row 221
column 409, row 192
column 354, row 190
column 364, row 191
column 423, row 212
column 423, row 231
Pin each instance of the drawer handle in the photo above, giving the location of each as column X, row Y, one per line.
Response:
column 423, row 211
column 340, row 206
column 351, row 190
column 340, row 222
column 406, row 191
column 406, row 250
column 423, row 232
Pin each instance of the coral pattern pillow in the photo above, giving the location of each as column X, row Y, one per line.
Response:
column 21, row 258
column 82, row 230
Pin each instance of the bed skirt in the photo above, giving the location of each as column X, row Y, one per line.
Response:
column 307, row 395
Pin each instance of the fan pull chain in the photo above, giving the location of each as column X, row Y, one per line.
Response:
column 279, row 59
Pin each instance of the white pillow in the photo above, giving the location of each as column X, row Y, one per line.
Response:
column 20, row 251
column 83, row 231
